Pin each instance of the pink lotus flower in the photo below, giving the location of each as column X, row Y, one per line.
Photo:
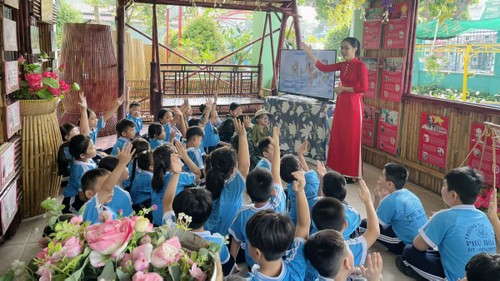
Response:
column 64, row 86
column 54, row 91
column 48, row 74
column 21, row 60
column 110, row 237
column 44, row 272
column 167, row 253
column 126, row 258
column 76, row 220
column 197, row 273
column 141, row 257
column 44, row 254
column 62, row 67
column 145, row 240
column 141, row 276
column 70, row 249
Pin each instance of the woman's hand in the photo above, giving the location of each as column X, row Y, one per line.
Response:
column 338, row 89
column 305, row 47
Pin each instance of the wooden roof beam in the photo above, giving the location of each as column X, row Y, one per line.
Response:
column 283, row 6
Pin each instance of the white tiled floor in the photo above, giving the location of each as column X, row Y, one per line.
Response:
column 24, row 246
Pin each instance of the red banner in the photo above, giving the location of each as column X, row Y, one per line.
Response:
column 396, row 30
column 481, row 157
column 392, row 79
column 388, row 131
column 433, row 145
column 368, row 126
column 372, row 31
column 372, row 66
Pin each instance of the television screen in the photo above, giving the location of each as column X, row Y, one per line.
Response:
column 299, row 76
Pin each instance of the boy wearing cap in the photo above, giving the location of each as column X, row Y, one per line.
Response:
column 260, row 129
column 226, row 129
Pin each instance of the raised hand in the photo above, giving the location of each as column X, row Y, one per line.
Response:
column 120, row 100
column 247, row 121
column 364, row 192
column 303, row 148
column 373, row 269
column 275, row 137
column 493, row 206
column 177, row 111
column 320, row 167
column 181, row 150
column 83, row 101
column 240, row 128
column 300, row 180
column 305, row 47
column 126, row 153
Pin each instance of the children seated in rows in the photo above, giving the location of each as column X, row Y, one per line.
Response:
column 98, row 208
column 455, row 234
column 134, row 115
column 197, row 204
column 266, row 192
column 126, row 131
column 330, row 255
column 399, row 211
column 163, row 157
column 329, row 213
column 276, row 244
column 225, row 179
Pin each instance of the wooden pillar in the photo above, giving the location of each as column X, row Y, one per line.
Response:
column 154, row 82
column 296, row 25
column 281, row 42
column 120, row 42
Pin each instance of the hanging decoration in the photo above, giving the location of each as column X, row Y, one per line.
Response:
column 387, row 5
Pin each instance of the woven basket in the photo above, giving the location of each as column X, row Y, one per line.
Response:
column 40, row 140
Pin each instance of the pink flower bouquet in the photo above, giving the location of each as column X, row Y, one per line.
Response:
column 37, row 83
column 122, row 249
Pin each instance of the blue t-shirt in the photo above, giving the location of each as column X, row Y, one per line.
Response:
column 100, row 125
column 353, row 220
column 404, row 212
column 169, row 218
column 167, row 129
column 119, row 145
column 359, row 250
column 185, row 179
column 137, row 121
column 239, row 225
column 294, row 265
column 94, row 208
column 459, row 233
column 154, row 143
column 141, row 186
column 121, row 201
column 311, row 190
column 195, row 155
column 227, row 205
column 126, row 183
column 211, row 137
column 264, row 163
column 77, row 169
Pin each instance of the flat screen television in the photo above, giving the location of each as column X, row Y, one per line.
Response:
column 299, row 76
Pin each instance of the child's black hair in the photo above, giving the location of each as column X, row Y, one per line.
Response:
column 202, row 108
column 223, row 162
column 144, row 160
column 196, row 203
column 483, row 267
column 123, row 125
column 328, row 213
column 89, row 178
column 154, row 130
column 259, row 185
column 466, row 182
column 108, row 163
column 396, row 173
column 78, row 145
column 326, row 250
column 289, row 164
column 194, row 132
column 264, row 145
column 141, row 146
column 89, row 112
column 334, row 185
column 270, row 232
column 161, row 114
column 66, row 129
column 194, row 122
column 134, row 104
column 62, row 160
column 162, row 164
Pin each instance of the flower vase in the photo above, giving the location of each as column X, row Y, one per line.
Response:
column 40, row 139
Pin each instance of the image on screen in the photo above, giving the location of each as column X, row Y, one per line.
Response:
column 299, row 76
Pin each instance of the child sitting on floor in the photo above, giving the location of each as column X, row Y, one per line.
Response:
column 266, row 150
column 134, row 115
column 121, row 198
column 156, row 134
column 126, row 133
column 483, row 267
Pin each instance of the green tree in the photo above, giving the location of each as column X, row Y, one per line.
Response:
column 334, row 37
column 445, row 9
column 97, row 5
column 66, row 14
column 235, row 39
column 203, row 38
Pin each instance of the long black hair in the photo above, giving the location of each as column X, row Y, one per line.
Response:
column 66, row 129
column 222, row 164
column 354, row 42
column 140, row 145
column 162, row 162
column 78, row 145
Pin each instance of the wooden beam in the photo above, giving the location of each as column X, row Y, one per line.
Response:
column 267, row 5
column 120, row 41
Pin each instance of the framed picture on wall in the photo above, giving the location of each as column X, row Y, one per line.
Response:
column 12, row 119
column 8, row 206
column 35, row 39
column 11, row 76
column 9, row 35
